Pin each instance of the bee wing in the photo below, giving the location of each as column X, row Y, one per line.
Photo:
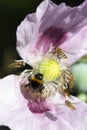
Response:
column 19, row 61
column 17, row 64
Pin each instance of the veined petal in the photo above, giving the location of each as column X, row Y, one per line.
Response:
column 76, row 46
column 12, row 104
column 15, row 113
column 61, row 25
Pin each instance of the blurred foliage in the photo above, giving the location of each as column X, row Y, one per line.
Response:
column 82, row 96
column 80, row 74
column 79, row 70
column 82, row 60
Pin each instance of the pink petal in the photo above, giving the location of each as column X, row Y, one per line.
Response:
column 15, row 113
column 64, row 26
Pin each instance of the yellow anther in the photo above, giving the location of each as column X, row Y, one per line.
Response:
column 50, row 68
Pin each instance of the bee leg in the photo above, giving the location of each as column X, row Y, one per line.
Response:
column 66, row 93
column 40, row 89
column 70, row 105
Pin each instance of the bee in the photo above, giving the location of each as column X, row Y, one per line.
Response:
column 70, row 105
column 36, row 82
column 59, row 53
column 17, row 64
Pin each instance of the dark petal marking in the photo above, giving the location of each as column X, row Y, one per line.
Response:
column 38, row 107
column 52, row 35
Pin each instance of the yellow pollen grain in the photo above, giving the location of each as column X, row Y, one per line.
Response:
column 50, row 68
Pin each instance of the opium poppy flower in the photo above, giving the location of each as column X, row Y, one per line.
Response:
column 49, row 40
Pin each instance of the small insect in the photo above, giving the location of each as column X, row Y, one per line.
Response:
column 59, row 53
column 36, row 82
column 70, row 105
column 17, row 64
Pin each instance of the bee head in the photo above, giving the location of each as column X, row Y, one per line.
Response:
column 39, row 76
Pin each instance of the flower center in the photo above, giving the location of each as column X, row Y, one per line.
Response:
column 50, row 68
